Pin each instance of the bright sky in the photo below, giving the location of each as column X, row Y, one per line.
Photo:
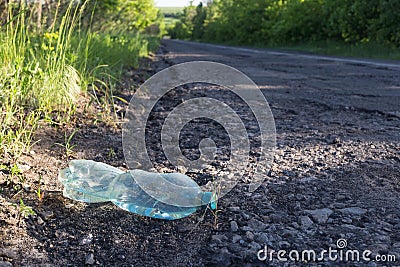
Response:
column 175, row 2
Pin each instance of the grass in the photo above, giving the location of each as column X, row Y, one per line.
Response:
column 44, row 75
column 370, row 50
column 67, row 145
column 171, row 10
column 362, row 50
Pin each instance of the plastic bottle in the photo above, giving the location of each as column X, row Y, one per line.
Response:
column 93, row 182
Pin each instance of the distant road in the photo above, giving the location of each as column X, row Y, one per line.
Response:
column 362, row 84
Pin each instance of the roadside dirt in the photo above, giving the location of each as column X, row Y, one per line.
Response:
column 335, row 174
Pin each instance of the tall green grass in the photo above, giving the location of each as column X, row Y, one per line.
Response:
column 371, row 50
column 35, row 77
column 43, row 74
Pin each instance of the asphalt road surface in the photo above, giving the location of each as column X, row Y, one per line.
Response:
column 362, row 84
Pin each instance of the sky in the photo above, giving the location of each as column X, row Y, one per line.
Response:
column 175, row 2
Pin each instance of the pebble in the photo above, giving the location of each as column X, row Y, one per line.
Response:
column 261, row 238
column 86, row 240
column 5, row 264
column 40, row 220
column 236, row 238
column 8, row 253
column 305, row 222
column 219, row 238
column 249, row 236
column 235, row 248
column 353, row 211
column 347, row 220
column 47, row 215
column 320, row 215
column 284, row 244
column 223, row 257
column 234, row 226
column 234, row 209
column 247, row 228
column 256, row 225
column 89, row 259
column 23, row 167
column 254, row 246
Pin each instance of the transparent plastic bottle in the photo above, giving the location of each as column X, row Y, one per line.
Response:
column 94, row 182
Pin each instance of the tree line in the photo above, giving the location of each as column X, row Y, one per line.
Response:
column 277, row 22
column 104, row 15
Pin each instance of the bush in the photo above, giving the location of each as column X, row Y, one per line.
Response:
column 292, row 22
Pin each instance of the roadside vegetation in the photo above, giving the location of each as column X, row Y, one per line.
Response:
column 171, row 15
column 58, row 54
column 341, row 27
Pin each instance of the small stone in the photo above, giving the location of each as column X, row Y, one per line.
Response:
column 254, row 246
column 5, row 264
column 379, row 248
column 287, row 233
column 223, row 258
column 305, row 222
column 396, row 245
column 261, row 238
column 47, row 215
column 347, row 220
column 89, row 259
column 40, row 220
column 27, row 188
column 8, row 253
column 219, row 238
column 353, row 211
column 284, row 244
column 245, row 216
column 234, row 226
column 320, row 215
column 256, row 225
column 247, row 228
column 295, row 225
column 234, row 209
column 249, row 236
column 236, row 238
column 235, row 248
column 307, row 179
column 86, row 240
column 23, row 167
column 352, row 227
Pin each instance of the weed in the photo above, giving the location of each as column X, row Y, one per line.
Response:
column 24, row 210
column 39, row 192
column 111, row 153
column 16, row 172
column 67, row 143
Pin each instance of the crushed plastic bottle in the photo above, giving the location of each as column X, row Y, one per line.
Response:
column 94, row 182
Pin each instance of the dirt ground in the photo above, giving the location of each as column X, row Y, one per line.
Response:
column 335, row 174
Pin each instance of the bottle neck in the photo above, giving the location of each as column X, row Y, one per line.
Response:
column 209, row 199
